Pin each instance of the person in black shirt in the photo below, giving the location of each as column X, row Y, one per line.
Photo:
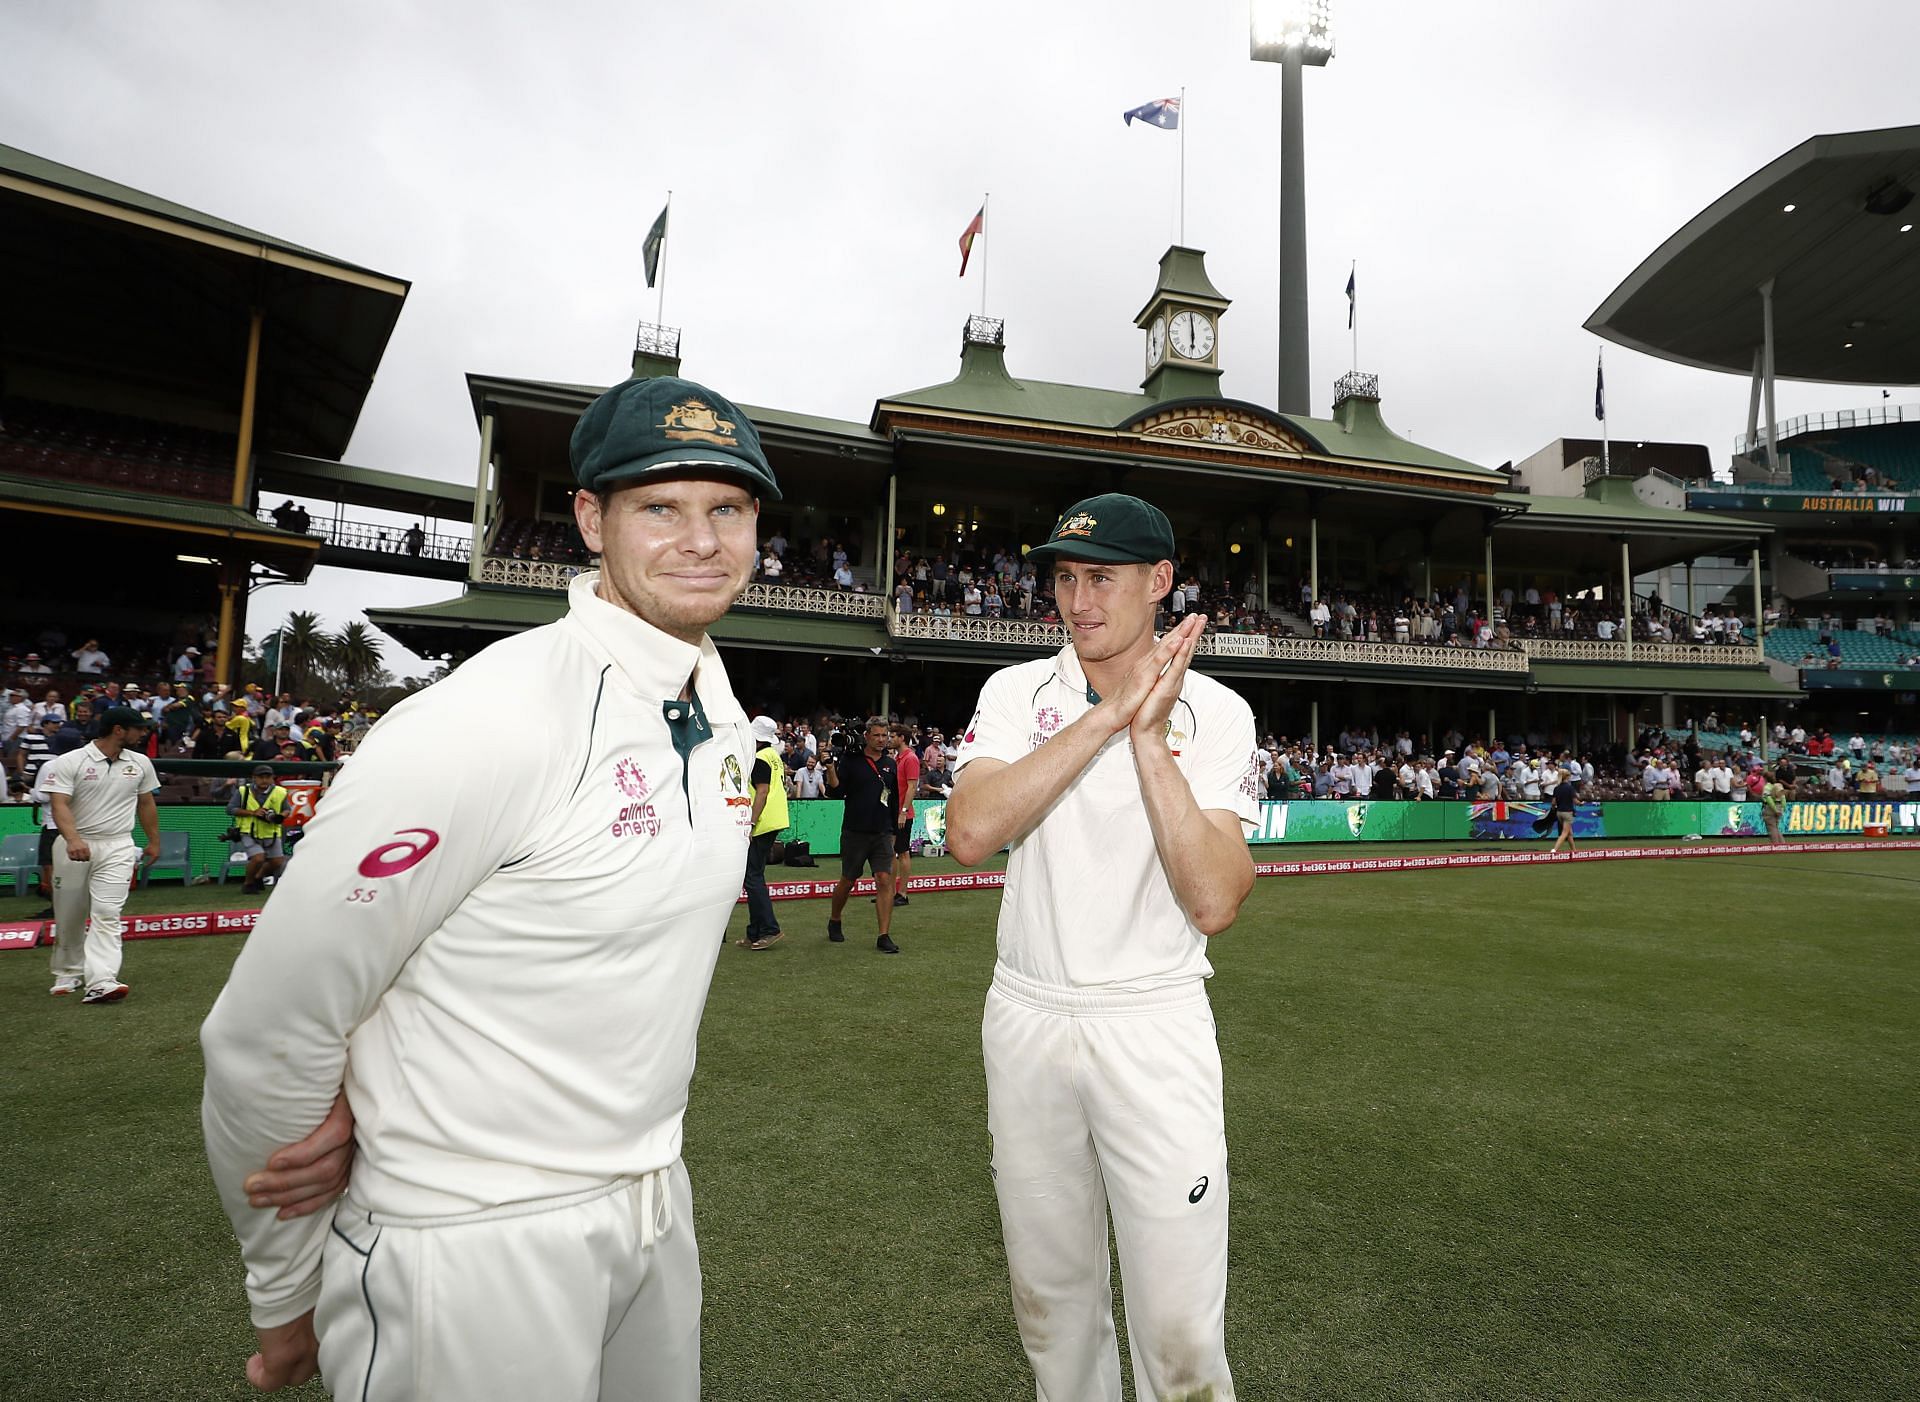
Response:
column 866, row 781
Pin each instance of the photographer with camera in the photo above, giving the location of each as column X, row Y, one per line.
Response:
column 259, row 809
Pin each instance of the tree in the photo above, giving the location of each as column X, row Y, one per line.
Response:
column 307, row 648
column 357, row 654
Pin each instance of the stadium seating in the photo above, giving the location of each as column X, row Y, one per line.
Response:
column 1858, row 650
column 1891, row 450
column 38, row 439
column 521, row 538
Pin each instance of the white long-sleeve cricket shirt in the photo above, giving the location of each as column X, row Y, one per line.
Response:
column 500, row 942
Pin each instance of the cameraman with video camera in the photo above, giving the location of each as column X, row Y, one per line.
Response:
column 259, row 809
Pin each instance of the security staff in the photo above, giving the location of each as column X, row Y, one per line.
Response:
column 97, row 793
column 505, row 963
column 259, row 811
column 769, row 784
column 1125, row 785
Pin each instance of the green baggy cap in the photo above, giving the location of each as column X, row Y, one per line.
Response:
column 1113, row 529
column 667, row 427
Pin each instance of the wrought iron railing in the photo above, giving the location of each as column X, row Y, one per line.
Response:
column 788, row 598
column 967, row 628
column 773, row 598
column 1348, row 653
column 652, row 339
column 383, row 540
column 986, row 330
column 1687, row 654
column 529, row 574
column 1355, row 384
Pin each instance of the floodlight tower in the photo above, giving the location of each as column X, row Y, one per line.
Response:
column 1293, row 34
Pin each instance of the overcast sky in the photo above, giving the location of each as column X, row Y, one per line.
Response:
column 1496, row 169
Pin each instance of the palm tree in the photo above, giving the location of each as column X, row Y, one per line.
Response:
column 305, row 646
column 357, row 652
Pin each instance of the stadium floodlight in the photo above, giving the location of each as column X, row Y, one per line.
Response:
column 1295, row 34
column 1303, row 26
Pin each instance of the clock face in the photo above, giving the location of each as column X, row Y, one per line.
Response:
column 1156, row 340
column 1192, row 336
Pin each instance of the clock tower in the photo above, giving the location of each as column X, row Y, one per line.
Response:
column 1182, row 322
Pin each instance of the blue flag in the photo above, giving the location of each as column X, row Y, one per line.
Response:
column 1162, row 112
column 1350, row 301
column 1599, row 391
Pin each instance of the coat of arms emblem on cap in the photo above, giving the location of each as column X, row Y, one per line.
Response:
column 1080, row 523
column 694, row 421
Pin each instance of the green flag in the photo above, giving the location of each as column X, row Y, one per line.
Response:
column 656, row 239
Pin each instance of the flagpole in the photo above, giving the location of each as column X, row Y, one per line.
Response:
column 1606, row 443
column 988, row 238
column 1353, row 281
column 1183, row 167
column 660, row 306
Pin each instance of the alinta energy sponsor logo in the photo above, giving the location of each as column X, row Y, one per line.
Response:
column 630, row 779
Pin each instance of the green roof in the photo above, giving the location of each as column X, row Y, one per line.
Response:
column 985, row 389
column 364, row 486
column 483, row 610
column 1183, row 273
column 1616, row 503
column 42, row 171
column 1657, row 678
column 91, row 499
column 561, row 395
column 492, row 610
column 787, row 632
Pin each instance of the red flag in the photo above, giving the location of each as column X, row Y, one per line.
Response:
column 967, row 238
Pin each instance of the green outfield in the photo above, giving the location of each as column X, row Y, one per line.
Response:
column 1640, row 1130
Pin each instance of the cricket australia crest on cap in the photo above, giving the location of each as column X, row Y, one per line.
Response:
column 693, row 420
column 1080, row 523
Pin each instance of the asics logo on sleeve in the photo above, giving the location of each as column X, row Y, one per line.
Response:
column 1199, row 1191
column 392, row 858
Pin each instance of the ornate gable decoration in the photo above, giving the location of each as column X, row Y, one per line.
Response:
column 1221, row 426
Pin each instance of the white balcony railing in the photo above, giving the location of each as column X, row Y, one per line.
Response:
column 529, row 574
column 1687, row 654
column 787, row 598
column 1019, row 632
column 549, row 574
column 1455, row 659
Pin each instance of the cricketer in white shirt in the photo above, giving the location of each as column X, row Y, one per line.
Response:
column 96, row 793
column 500, row 942
column 1125, row 792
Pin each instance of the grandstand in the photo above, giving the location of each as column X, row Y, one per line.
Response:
column 237, row 363
column 1566, row 599
column 1806, row 270
column 1873, row 457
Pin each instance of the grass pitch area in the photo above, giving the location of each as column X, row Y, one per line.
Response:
column 1596, row 1131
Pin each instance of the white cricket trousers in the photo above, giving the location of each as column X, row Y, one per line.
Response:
column 1103, row 1102
column 593, row 1297
column 87, row 900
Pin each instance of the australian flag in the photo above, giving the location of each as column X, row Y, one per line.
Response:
column 1162, row 112
column 1600, row 390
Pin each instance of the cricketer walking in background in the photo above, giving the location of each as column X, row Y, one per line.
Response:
column 1125, row 785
